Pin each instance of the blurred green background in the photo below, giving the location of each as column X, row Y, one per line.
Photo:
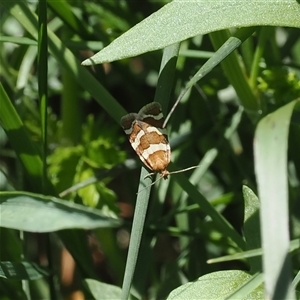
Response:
column 60, row 136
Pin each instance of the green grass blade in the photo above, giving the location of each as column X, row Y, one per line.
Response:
column 43, row 78
column 26, row 66
column 225, row 45
column 18, row 40
column 232, row 67
column 42, row 65
column 20, row 141
column 167, row 71
column 296, row 280
column 223, row 225
column 166, row 76
column 270, row 148
column 294, row 245
column 64, row 10
column 136, row 233
column 67, row 60
column 71, row 109
column 263, row 35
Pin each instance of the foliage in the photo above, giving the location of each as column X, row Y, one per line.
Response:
column 220, row 231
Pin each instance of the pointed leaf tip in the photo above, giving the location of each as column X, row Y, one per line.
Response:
column 88, row 62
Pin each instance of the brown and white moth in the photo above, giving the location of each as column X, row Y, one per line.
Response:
column 148, row 137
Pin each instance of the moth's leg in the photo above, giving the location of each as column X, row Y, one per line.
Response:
column 149, row 175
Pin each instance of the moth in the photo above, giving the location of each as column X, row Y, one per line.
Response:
column 148, row 137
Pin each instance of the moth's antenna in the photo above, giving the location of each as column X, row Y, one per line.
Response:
column 175, row 105
column 184, row 170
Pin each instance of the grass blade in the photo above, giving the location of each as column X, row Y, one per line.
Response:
column 162, row 95
column 270, row 148
column 67, row 60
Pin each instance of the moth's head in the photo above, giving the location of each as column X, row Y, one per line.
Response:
column 164, row 174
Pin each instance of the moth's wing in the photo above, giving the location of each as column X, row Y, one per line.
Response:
column 152, row 115
column 155, row 141
column 153, row 147
column 140, row 143
column 134, row 132
column 127, row 123
column 147, row 137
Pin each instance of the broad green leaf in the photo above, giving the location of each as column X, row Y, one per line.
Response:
column 270, row 150
column 217, row 285
column 37, row 213
column 253, row 288
column 183, row 19
column 21, row 270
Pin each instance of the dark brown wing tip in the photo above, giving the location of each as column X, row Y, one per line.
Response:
column 150, row 106
column 127, row 119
